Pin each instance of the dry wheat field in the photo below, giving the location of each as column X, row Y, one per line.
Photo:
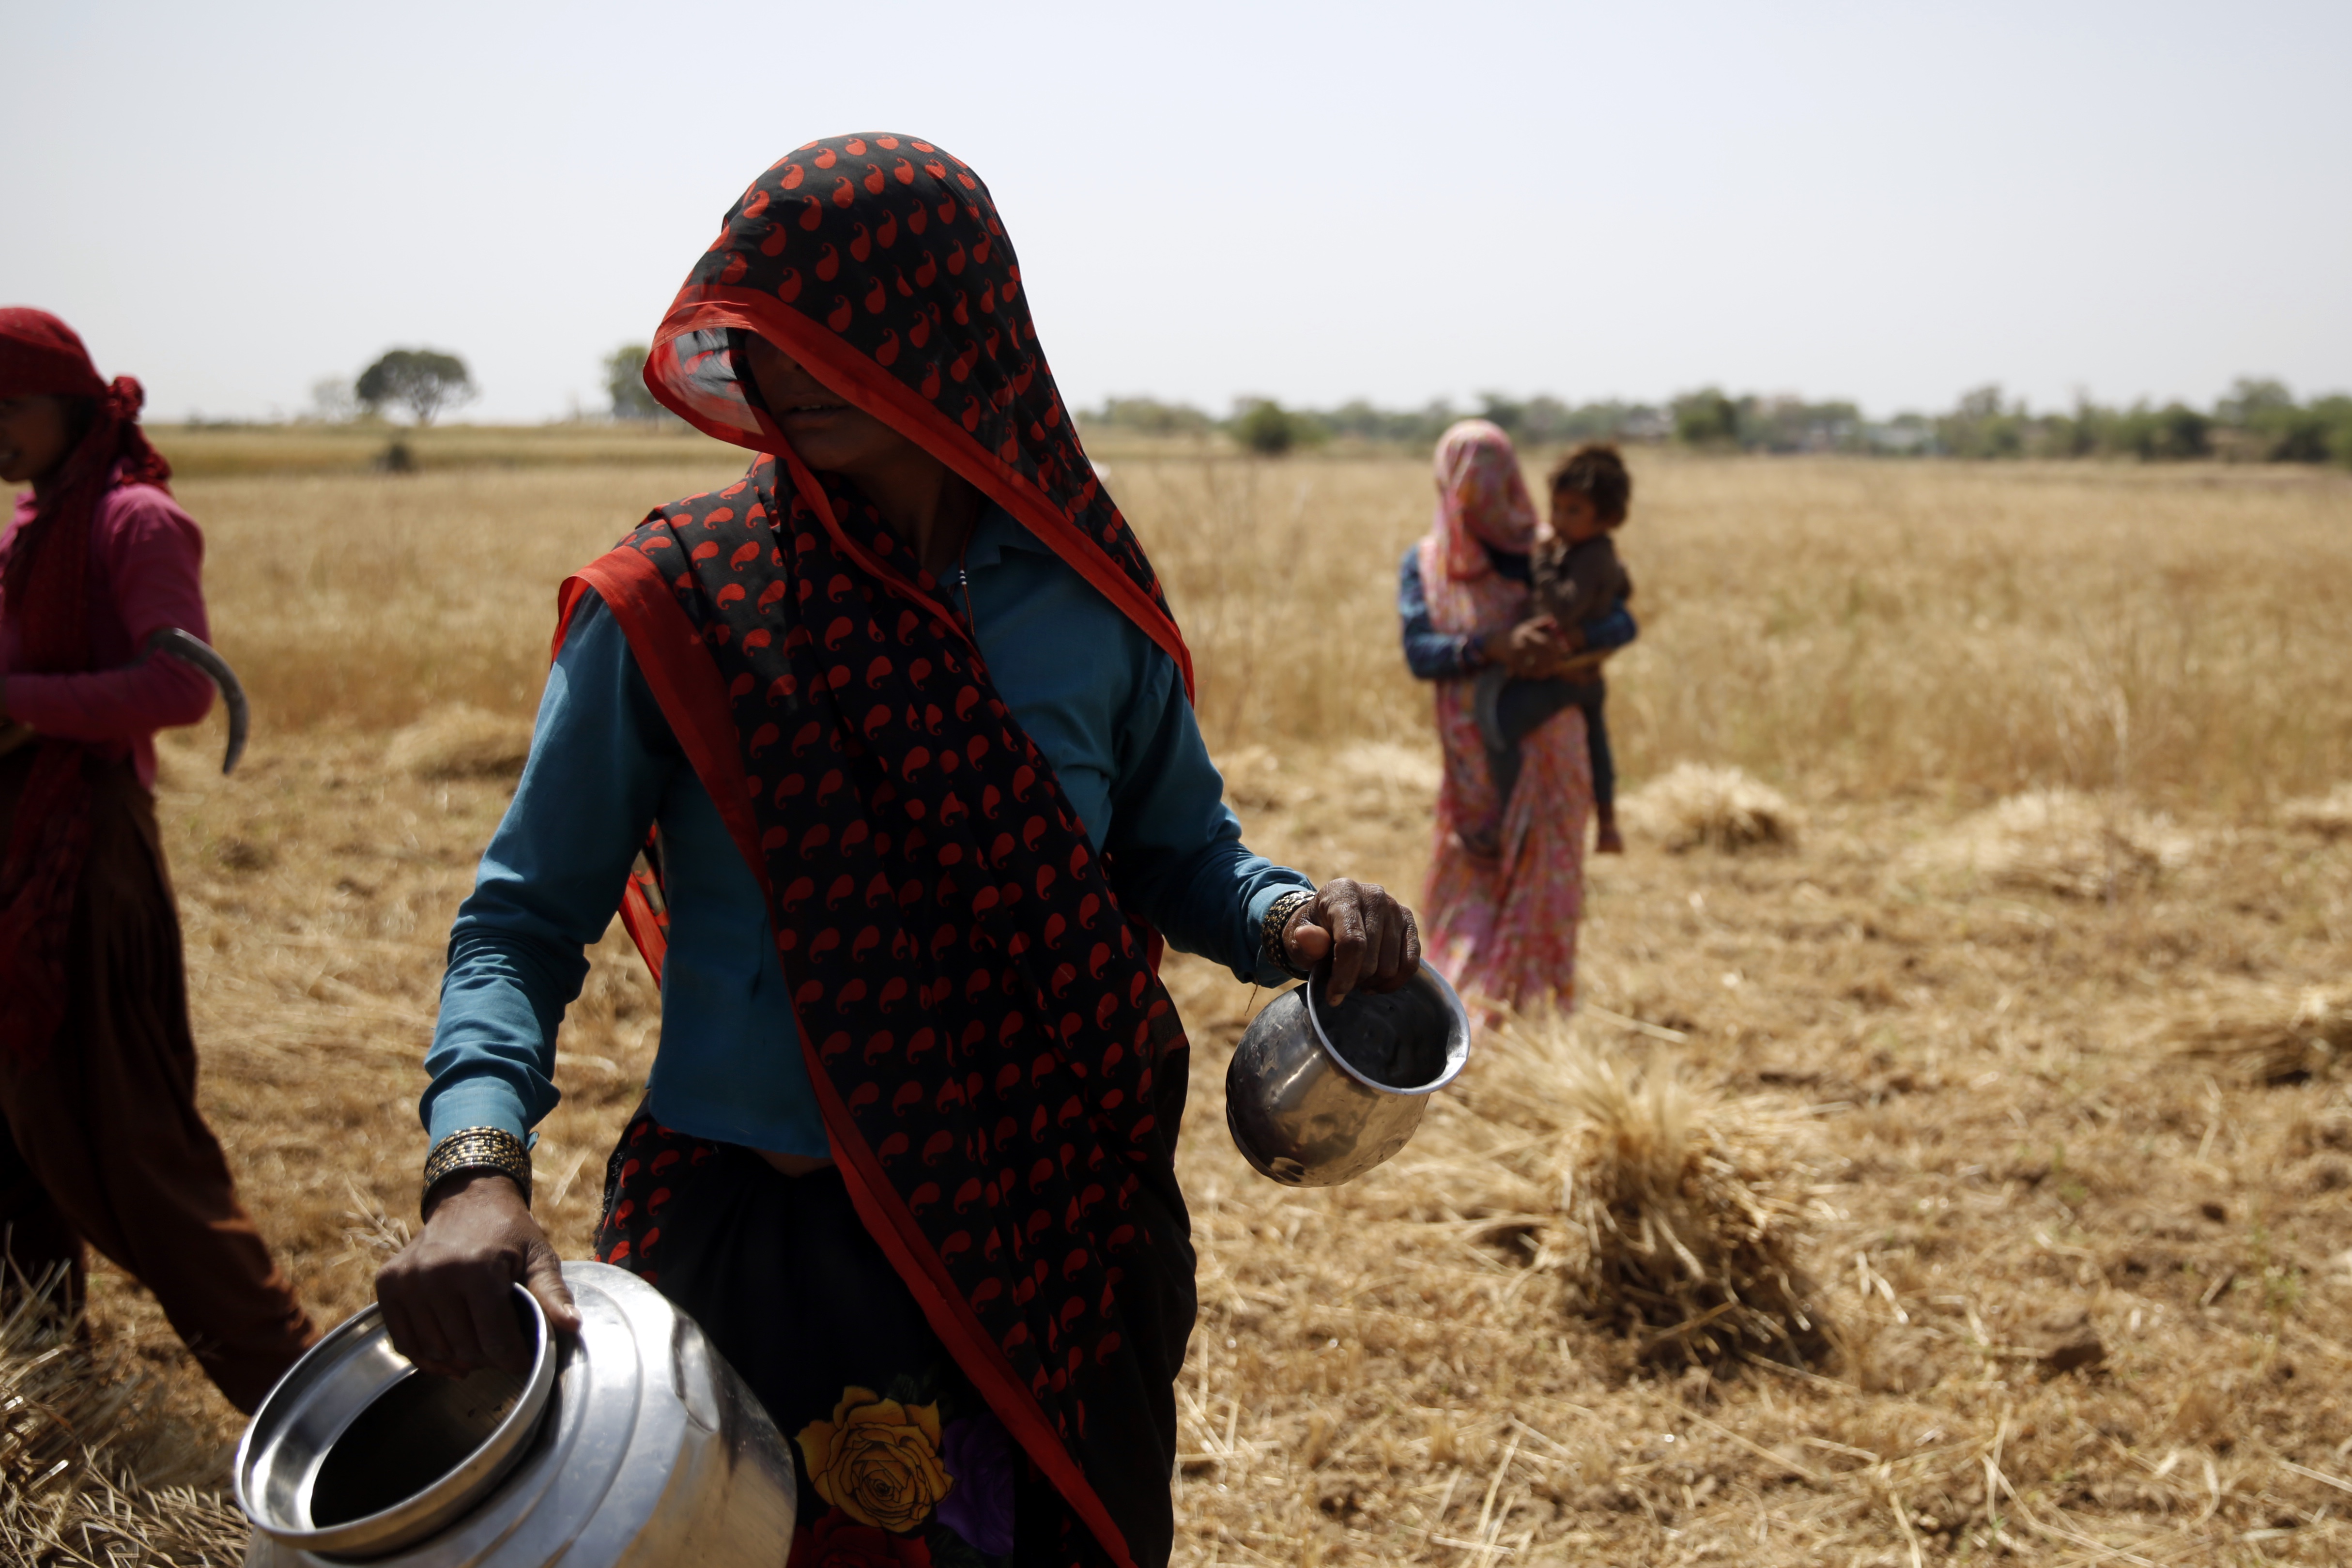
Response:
column 1980, row 964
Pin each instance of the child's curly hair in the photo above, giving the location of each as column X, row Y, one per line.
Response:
column 1598, row 471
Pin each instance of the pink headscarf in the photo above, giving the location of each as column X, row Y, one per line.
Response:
column 1482, row 498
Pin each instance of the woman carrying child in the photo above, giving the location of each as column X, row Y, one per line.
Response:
column 101, row 1139
column 909, row 722
column 1505, row 886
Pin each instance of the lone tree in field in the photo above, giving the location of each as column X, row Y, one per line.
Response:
column 1706, row 418
column 624, row 383
column 1267, row 428
column 332, row 402
column 423, row 380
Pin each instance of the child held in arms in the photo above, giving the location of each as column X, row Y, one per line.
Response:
column 1578, row 584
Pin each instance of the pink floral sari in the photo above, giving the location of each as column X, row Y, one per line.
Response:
column 1502, row 928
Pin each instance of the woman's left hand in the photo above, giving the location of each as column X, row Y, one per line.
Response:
column 1370, row 938
column 1529, row 649
column 1567, row 659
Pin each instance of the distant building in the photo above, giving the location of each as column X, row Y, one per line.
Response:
column 1909, row 436
column 1646, row 425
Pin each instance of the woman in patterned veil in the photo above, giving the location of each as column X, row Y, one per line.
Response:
column 902, row 723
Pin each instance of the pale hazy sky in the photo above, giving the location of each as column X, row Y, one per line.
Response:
column 1316, row 202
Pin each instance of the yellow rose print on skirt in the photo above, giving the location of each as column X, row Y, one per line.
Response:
column 877, row 1460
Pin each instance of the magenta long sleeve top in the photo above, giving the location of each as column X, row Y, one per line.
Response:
column 146, row 571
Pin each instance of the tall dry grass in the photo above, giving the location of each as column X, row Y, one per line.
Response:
column 1864, row 628
column 362, row 602
column 1852, row 626
column 213, row 451
column 96, row 1468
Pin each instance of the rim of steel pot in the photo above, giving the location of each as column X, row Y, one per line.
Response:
column 293, row 1429
column 1457, row 1038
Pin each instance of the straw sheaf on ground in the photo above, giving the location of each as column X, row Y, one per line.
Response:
column 95, row 1466
column 2077, row 1230
column 1696, row 807
column 2060, row 841
column 2329, row 815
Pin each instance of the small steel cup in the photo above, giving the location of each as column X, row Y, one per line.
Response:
column 1315, row 1095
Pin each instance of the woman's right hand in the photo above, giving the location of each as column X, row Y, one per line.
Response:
column 1530, row 649
column 448, row 1295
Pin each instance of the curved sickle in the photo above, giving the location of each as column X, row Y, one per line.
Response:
column 191, row 649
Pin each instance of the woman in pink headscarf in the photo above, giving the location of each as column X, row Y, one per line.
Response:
column 1507, row 878
column 100, row 1138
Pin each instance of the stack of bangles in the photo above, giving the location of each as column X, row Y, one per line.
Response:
column 1277, row 919
column 478, row 1149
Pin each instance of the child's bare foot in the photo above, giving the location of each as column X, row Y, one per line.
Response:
column 1612, row 842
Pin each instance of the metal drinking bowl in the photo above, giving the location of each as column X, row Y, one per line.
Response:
column 1316, row 1095
column 357, row 1452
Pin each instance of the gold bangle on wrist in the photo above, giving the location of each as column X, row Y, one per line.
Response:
column 1277, row 920
column 478, row 1149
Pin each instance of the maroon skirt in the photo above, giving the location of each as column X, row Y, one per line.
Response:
column 101, row 1139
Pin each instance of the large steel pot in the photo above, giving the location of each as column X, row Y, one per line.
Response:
column 649, row 1451
column 1317, row 1095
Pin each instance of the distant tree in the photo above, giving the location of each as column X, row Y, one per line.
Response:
column 331, row 400
column 1550, row 422
column 1149, row 417
column 1706, row 418
column 423, row 380
column 2300, row 435
column 1788, row 423
column 624, row 384
column 2172, row 433
column 2272, row 425
column 2252, row 397
column 1507, row 413
column 2259, row 420
column 2076, row 435
column 2334, row 416
column 1267, row 428
column 1363, row 422
column 2183, row 432
column 1983, row 427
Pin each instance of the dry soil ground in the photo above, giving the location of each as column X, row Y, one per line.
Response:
column 2052, row 1087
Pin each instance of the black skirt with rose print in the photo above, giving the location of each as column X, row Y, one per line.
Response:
column 902, row 1464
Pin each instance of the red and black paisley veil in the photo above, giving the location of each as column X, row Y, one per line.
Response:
column 1001, row 1071
column 879, row 263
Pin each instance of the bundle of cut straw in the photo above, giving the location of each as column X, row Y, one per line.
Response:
column 1682, row 1218
column 2273, row 1036
column 1696, row 807
column 74, row 1426
column 2329, row 814
column 2059, row 840
column 460, row 742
